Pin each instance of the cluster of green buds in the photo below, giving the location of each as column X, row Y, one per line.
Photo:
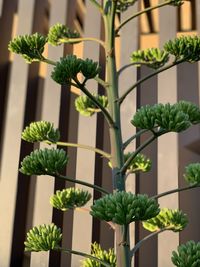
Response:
column 139, row 163
column 124, row 207
column 41, row 131
column 30, row 47
column 59, row 33
column 43, row 238
column 185, row 48
column 104, row 255
column 188, row 255
column 151, row 57
column 176, row 2
column 123, row 5
column 192, row 174
column 167, row 219
column 44, row 161
column 68, row 68
column 170, row 118
column 70, row 198
column 86, row 107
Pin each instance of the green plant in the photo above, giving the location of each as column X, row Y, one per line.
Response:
column 119, row 208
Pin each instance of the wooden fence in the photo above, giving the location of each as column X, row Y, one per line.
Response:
column 28, row 94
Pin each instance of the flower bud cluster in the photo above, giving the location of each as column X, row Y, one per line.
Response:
column 174, row 220
column 192, row 174
column 123, row 208
column 43, row 238
column 188, row 255
column 40, row 131
column 70, row 198
column 44, row 161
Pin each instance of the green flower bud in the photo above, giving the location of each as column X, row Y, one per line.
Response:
column 40, row 131
column 43, row 238
column 30, row 47
column 152, row 57
column 89, row 68
column 192, row 174
column 70, row 198
column 60, row 31
column 123, row 208
column 66, row 69
column 139, row 163
column 173, row 220
column 104, row 255
column 123, row 5
column 86, row 107
column 184, row 47
column 176, row 2
column 44, row 161
column 188, row 255
column 171, row 118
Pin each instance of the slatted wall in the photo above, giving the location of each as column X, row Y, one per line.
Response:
column 27, row 94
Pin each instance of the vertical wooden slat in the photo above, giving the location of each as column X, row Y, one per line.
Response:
column 147, row 182
column 49, row 111
column 128, row 43
column 167, row 144
column 12, row 136
column 87, row 135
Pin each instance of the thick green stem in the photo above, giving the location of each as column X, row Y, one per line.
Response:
column 84, row 255
column 123, row 258
column 95, row 187
column 75, row 40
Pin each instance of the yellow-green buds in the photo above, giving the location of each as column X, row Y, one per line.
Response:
column 30, row 47
column 170, row 118
column 151, row 57
column 40, row 131
column 184, row 47
column 58, row 32
column 168, row 219
column 44, row 161
column 70, row 198
column 192, row 174
column 139, row 163
column 188, row 255
column 86, row 107
column 124, row 208
column 43, row 238
column 104, row 255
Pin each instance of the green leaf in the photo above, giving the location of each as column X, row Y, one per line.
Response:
column 43, row 238
column 123, row 208
column 30, row 47
column 44, row 161
column 40, row 131
column 70, row 198
column 173, row 220
column 59, row 31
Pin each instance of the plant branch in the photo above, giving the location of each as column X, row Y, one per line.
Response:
column 102, row 82
column 138, row 245
column 121, row 99
column 134, row 154
column 175, row 191
column 140, row 13
column 83, row 255
column 126, row 143
column 95, row 187
column 104, row 111
column 95, row 3
column 99, row 151
column 74, row 40
column 48, row 61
